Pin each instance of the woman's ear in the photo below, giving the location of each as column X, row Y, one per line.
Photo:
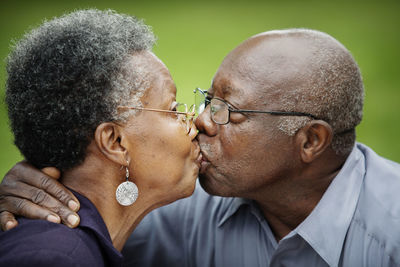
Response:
column 313, row 139
column 108, row 140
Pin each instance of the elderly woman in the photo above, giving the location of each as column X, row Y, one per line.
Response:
column 85, row 94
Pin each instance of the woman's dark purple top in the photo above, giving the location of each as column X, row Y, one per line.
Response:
column 42, row 243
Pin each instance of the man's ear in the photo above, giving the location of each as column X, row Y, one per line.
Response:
column 313, row 139
column 108, row 140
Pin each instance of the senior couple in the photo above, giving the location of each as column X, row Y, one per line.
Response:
column 283, row 180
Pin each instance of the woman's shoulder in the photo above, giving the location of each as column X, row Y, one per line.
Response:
column 42, row 243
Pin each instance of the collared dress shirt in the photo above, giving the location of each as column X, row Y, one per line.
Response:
column 356, row 223
column 42, row 243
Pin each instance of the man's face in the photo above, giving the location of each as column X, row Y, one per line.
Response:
column 244, row 156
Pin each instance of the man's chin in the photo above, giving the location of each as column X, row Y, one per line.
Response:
column 210, row 187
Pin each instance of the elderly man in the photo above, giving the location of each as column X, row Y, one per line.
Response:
column 291, row 187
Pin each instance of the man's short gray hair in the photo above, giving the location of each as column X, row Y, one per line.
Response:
column 68, row 76
column 334, row 93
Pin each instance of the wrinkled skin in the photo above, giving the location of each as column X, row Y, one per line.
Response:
column 29, row 192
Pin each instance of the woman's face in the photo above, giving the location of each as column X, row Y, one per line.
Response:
column 165, row 159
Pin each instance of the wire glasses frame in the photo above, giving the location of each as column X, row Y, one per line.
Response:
column 220, row 109
column 184, row 114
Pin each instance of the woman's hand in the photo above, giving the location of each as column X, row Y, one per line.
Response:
column 29, row 192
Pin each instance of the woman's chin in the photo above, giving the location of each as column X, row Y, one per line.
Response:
column 191, row 183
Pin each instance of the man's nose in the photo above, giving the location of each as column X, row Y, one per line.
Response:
column 204, row 123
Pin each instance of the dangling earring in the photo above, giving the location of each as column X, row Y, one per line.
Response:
column 127, row 192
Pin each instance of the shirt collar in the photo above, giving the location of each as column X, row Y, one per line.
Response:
column 91, row 218
column 326, row 227
column 232, row 208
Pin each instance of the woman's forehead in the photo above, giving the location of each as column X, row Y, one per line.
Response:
column 159, row 83
column 162, row 90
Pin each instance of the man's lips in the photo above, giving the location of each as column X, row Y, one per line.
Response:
column 204, row 162
column 204, row 147
column 204, row 155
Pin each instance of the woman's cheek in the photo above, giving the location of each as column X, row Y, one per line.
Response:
column 177, row 138
column 173, row 147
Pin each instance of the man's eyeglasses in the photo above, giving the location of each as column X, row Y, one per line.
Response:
column 184, row 114
column 220, row 109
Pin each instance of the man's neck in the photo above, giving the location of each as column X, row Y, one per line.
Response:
column 287, row 204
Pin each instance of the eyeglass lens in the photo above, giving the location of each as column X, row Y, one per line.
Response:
column 199, row 100
column 188, row 118
column 219, row 111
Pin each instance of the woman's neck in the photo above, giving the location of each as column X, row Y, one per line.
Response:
column 98, row 183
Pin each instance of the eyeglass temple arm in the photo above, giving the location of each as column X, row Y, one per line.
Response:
column 156, row 110
column 284, row 113
column 287, row 113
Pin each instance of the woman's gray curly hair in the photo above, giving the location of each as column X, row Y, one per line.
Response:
column 68, row 76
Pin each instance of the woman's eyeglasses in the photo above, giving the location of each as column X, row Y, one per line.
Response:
column 184, row 114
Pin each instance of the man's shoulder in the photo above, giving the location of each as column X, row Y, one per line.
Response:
column 377, row 165
column 38, row 242
column 379, row 196
column 377, row 215
column 381, row 184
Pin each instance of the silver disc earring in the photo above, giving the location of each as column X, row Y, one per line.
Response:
column 127, row 192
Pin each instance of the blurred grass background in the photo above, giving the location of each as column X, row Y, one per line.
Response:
column 194, row 37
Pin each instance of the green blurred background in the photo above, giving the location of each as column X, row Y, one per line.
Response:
column 194, row 37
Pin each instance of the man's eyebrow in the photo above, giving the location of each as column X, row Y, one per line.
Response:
column 226, row 90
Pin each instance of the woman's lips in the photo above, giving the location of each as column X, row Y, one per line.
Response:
column 197, row 152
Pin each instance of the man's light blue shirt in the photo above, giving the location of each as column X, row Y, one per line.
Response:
column 356, row 223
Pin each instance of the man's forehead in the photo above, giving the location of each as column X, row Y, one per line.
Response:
column 238, row 95
column 242, row 91
column 225, row 85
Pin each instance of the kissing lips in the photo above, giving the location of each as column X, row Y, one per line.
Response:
column 204, row 149
column 204, row 162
